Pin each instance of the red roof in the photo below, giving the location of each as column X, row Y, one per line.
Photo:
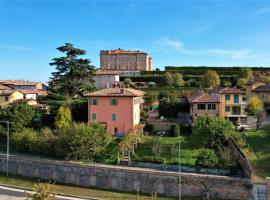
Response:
column 202, row 97
column 116, row 92
column 263, row 88
column 121, row 51
column 18, row 82
column 228, row 90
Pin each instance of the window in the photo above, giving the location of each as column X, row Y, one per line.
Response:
column 113, row 102
column 201, row 106
column 94, row 116
column 95, row 102
column 113, row 117
column 227, row 108
column 236, row 98
column 6, row 98
column 227, row 97
column 211, row 106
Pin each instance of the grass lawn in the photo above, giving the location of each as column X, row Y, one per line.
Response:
column 259, row 144
column 25, row 183
column 169, row 150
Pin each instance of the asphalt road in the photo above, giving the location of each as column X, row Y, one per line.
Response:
column 7, row 193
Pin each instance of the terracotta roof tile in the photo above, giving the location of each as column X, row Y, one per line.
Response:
column 115, row 92
column 202, row 98
column 263, row 88
column 3, row 87
column 228, row 90
column 18, row 82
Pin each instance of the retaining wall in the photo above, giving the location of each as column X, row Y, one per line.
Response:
column 129, row 178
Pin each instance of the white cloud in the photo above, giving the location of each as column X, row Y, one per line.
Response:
column 15, row 47
column 169, row 45
column 166, row 42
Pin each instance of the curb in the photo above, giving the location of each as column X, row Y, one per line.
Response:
column 59, row 194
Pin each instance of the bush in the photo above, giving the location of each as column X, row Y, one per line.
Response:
column 207, row 158
column 87, row 141
column 19, row 115
column 152, row 84
column 185, row 129
column 25, row 140
column 174, row 130
column 151, row 129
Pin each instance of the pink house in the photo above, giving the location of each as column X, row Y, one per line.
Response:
column 117, row 108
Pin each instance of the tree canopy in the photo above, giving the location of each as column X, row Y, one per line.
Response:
column 210, row 79
column 255, row 105
column 73, row 75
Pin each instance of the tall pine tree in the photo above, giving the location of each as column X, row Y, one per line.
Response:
column 73, row 75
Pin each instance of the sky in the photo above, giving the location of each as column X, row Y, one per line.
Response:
column 178, row 33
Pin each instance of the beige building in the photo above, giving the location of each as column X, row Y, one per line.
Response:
column 232, row 103
column 9, row 96
column 202, row 104
column 122, row 60
column 263, row 92
column 226, row 102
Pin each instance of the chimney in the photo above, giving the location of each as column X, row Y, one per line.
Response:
column 122, row 90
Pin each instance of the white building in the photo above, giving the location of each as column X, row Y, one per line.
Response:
column 105, row 79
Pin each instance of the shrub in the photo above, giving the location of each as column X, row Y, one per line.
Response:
column 19, row 115
column 174, row 130
column 152, row 84
column 207, row 158
column 25, row 140
column 87, row 141
column 63, row 117
column 185, row 129
column 151, row 129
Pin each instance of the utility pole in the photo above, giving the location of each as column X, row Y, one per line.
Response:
column 7, row 132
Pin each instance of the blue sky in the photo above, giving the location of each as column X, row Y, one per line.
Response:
column 214, row 33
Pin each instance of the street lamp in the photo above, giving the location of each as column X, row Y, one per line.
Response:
column 7, row 122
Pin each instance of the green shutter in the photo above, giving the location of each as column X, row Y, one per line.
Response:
column 227, row 108
column 113, row 117
column 94, row 116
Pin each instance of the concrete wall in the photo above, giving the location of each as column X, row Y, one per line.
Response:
column 129, row 178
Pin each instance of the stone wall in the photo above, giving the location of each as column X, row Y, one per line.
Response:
column 129, row 178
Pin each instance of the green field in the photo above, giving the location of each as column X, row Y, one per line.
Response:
column 169, row 150
column 259, row 144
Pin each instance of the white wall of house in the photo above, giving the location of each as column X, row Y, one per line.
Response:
column 31, row 96
column 105, row 80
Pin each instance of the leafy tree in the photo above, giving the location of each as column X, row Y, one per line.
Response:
column 213, row 130
column 246, row 73
column 73, row 75
column 178, row 80
column 174, row 130
column 127, row 81
column 228, row 84
column 43, row 191
column 63, row 117
column 168, row 78
column 19, row 115
column 241, row 82
column 210, row 79
column 255, row 105
column 207, row 158
column 88, row 142
column 168, row 107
